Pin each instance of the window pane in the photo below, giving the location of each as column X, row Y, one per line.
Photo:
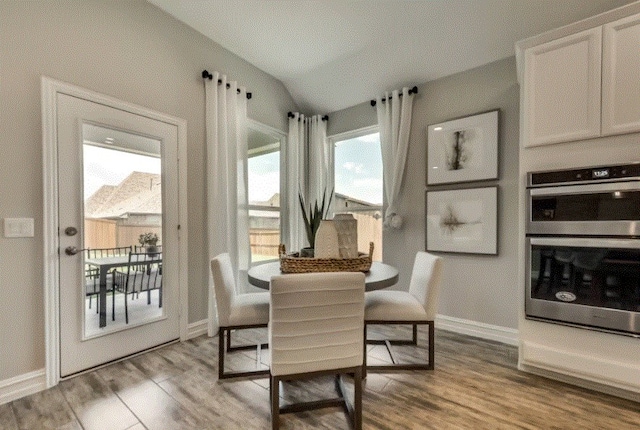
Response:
column 264, row 196
column 358, row 187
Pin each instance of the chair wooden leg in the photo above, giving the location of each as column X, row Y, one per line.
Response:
column 357, row 398
column 274, row 390
column 431, row 345
column 224, row 346
column 413, row 341
column 364, row 355
column 221, row 333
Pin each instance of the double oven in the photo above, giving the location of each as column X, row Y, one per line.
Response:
column 583, row 248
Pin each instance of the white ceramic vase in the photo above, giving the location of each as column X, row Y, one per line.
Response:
column 327, row 245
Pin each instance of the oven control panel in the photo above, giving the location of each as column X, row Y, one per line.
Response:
column 584, row 175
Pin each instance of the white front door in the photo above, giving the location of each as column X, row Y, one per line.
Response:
column 117, row 181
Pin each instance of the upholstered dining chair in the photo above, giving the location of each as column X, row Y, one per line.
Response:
column 416, row 307
column 316, row 327
column 236, row 312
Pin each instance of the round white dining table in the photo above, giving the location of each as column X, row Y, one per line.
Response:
column 379, row 276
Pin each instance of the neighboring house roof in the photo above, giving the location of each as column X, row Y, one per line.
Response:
column 274, row 200
column 340, row 200
column 138, row 193
column 98, row 199
column 343, row 200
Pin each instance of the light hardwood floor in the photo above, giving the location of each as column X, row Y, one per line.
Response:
column 475, row 385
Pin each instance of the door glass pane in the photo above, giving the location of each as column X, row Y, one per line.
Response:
column 263, row 168
column 122, row 186
column 358, row 187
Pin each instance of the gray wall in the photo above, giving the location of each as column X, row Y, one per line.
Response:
column 476, row 288
column 129, row 50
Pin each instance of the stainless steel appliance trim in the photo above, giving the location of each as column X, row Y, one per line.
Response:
column 584, row 180
column 590, row 188
column 590, row 242
column 599, row 319
column 587, row 228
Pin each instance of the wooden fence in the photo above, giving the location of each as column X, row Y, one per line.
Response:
column 101, row 233
column 264, row 242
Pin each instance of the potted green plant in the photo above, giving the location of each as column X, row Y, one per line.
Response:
column 312, row 220
column 149, row 241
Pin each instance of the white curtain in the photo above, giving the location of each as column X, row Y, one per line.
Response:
column 394, row 123
column 319, row 155
column 308, row 164
column 227, row 205
column 295, row 182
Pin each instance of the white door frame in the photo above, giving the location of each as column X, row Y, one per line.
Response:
column 50, row 88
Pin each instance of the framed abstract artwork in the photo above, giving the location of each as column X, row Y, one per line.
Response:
column 463, row 221
column 463, row 149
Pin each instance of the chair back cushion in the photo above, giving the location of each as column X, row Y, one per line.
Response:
column 425, row 282
column 316, row 322
column 224, row 286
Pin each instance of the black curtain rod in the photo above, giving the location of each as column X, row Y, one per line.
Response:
column 413, row 90
column 207, row 75
column 291, row 115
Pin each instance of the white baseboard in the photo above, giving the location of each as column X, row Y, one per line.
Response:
column 496, row 333
column 196, row 329
column 22, row 385
column 607, row 376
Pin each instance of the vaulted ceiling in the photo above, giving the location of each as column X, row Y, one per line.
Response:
column 333, row 54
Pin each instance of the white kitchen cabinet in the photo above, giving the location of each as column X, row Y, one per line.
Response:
column 621, row 76
column 562, row 92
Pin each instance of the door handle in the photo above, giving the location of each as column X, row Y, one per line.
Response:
column 72, row 250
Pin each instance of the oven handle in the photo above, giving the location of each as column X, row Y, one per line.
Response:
column 589, row 188
column 582, row 242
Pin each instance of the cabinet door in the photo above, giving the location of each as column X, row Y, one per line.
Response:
column 621, row 76
column 562, row 89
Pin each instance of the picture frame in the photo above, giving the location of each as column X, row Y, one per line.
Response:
column 463, row 221
column 463, row 149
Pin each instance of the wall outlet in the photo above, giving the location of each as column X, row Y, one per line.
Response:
column 18, row 227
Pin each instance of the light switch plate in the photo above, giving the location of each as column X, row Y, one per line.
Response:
column 18, row 227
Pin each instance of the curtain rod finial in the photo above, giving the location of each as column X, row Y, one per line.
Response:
column 206, row 75
column 373, row 103
column 290, row 114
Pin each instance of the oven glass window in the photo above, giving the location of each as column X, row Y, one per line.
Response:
column 601, row 277
column 609, row 206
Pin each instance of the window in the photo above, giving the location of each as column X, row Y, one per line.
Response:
column 358, row 184
column 263, row 168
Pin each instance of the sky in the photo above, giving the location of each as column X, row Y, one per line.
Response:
column 358, row 168
column 103, row 166
column 358, row 171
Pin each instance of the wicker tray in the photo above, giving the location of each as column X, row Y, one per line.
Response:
column 293, row 263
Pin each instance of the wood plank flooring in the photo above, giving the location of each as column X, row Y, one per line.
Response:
column 475, row 385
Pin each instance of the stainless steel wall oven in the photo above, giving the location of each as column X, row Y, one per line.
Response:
column 583, row 248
